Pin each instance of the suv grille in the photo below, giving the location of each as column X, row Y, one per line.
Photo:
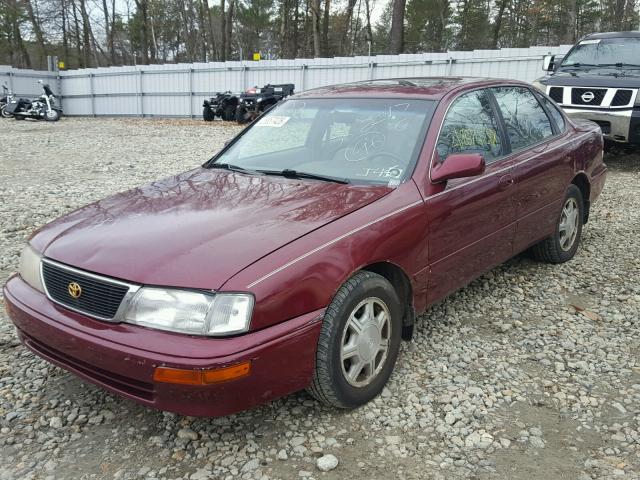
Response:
column 99, row 297
column 622, row 98
column 556, row 94
column 578, row 93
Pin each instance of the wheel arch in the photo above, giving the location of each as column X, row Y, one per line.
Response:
column 582, row 182
column 402, row 285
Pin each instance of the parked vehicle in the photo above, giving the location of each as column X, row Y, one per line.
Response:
column 598, row 80
column 44, row 107
column 7, row 96
column 256, row 100
column 223, row 106
column 301, row 253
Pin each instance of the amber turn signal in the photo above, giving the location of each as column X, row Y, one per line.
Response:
column 201, row 377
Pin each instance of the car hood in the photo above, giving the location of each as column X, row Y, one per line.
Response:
column 197, row 229
column 594, row 78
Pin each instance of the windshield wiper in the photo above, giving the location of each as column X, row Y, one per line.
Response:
column 233, row 168
column 578, row 65
column 619, row 65
column 288, row 173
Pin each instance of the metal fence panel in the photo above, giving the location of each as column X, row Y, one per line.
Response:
column 177, row 90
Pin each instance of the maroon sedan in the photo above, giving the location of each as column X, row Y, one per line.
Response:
column 299, row 256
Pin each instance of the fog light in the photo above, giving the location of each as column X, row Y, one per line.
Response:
column 201, row 377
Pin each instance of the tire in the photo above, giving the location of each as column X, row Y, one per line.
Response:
column 563, row 244
column 4, row 113
column 52, row 115
column 336, row 381
column 242, row 116
column 208, row 115
column 19, row 117
column 229, row 113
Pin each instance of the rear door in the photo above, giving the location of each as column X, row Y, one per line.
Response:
column 544, row 161
column 471, row 221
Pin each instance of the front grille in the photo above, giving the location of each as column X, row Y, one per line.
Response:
column 621, row 98
column 118, row 382
column 99, row 297
column 556, row 94
column 598, row 96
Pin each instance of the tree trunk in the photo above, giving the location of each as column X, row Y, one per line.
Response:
column 347, row 26
column 396, row 44
column 315, row 26
column 65, row 39
column 498, row 23
column 570, row 32
column 141, row 5
column 79, row 57
column 18, row 43
column 325, row 28
column 223, row 30
column 229, row 29
column 212, row 38
column 37, row 30
column 86, row 34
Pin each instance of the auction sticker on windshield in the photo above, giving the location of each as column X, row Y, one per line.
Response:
column 589, row 42
column 273, row 121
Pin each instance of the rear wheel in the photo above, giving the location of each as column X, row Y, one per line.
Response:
column 4, row 113
column 207, row 114
column 229, row 113
column 563, row 244
column 359, row 342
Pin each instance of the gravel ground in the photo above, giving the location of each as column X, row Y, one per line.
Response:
column 532, row 371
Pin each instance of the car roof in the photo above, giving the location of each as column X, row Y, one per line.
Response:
column 595, row 36
column 430, row 88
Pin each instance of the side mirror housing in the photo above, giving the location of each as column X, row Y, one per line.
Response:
column 550, row 63
column 458, row 165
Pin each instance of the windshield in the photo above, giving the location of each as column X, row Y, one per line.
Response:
column 358, row 140
column 604, row 52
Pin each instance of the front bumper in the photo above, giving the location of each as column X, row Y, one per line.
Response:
column 122, row 358
column 617, row 125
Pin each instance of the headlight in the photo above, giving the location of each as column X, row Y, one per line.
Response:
column 30, row 267
column 540, row 86
column 191, row 312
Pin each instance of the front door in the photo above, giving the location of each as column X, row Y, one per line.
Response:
column 472, row 220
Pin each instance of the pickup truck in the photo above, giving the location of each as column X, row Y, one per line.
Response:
column 598, row 80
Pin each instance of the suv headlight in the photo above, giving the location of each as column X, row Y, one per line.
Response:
column 191, row 312
column 30, row 267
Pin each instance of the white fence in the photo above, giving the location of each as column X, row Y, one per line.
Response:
column 177, row 90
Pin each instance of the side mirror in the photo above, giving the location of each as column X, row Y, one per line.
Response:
column 458, row 165
column 550, row 63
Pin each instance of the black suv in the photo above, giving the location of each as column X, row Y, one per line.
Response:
column 598, row 80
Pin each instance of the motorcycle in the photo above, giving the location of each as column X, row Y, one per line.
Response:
column 4, row 101
column 41, row 108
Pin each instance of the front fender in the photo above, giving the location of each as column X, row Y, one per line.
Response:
column 304, row 275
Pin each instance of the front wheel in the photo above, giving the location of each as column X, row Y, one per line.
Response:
column 563, row 244
column 52, row 115
column 359, row 342
column 4, row 113
column 208, row 115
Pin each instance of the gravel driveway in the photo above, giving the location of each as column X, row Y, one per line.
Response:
column 532, row 371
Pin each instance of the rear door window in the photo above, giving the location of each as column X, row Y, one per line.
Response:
column 525, row 120
column 555, row 113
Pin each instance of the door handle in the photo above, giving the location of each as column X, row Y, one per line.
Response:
column 506, row 180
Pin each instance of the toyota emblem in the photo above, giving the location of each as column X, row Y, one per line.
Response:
column 587, row 97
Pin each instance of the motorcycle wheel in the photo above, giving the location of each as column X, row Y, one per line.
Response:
column 19, row 117
column 4, row 113
column 207, row 114
column 52, row 115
